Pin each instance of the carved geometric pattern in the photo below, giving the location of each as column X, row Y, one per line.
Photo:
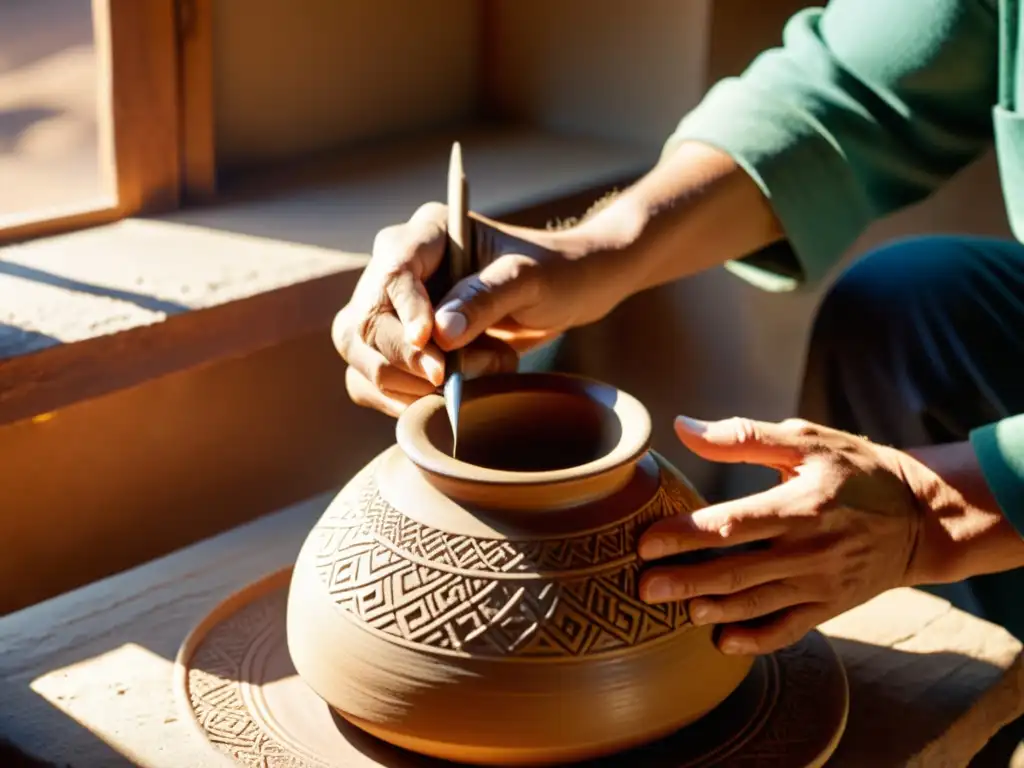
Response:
column 816, row 688
column 215, row 688
column 421, row 586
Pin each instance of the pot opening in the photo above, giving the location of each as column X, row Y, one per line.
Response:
column 524, row 432
column 529, row 431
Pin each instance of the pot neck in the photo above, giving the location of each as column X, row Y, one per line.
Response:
column 529, row 442
column 525, row 497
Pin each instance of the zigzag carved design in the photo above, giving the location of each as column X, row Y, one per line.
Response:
column 491, row 597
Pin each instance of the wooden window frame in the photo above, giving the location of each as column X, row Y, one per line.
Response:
column 155, row 116
column 156, row 61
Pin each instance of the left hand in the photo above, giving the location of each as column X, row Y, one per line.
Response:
column 841, row 527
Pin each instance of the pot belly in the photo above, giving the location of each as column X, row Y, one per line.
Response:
column 497, row 652
column 512, row 710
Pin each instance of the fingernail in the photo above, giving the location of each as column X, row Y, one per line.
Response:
column 653, row 548
column 737, row 646
column 450, row 322
column 480, row 363
column 695, row 426
column 433, row 369
column 701, row 613
column 658, row 589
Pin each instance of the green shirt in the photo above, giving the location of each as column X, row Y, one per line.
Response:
column 867, row 107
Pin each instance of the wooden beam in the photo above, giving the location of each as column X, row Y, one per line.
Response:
column 42, row 382
column 16, row 229
column 195, row 73
column 138, row 121
column 137, row 53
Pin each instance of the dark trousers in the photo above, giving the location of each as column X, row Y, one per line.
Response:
column 916, row 344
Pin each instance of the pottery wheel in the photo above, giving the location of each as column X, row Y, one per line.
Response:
column 234, row 677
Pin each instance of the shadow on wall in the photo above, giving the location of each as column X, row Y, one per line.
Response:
column 33, row 30
column 142, row 300
column 19, row 341
column 15, row 122
column 12, row 757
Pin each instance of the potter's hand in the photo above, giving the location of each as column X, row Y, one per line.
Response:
column 841, row 527
column 394, row 340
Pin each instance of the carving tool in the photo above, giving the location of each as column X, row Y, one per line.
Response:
column 461, row 263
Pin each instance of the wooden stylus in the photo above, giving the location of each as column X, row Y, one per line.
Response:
column 460, row 259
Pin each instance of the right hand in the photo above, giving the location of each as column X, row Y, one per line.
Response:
column 393, row 339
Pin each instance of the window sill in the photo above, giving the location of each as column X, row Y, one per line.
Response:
column 15, row 228
column 97, row 310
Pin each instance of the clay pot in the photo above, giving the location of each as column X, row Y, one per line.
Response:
column 485, row 609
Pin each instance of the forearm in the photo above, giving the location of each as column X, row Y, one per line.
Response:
column 867, row 107
column 964, row 532
column 696, row 210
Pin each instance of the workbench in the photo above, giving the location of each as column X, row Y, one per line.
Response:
column 86, row 678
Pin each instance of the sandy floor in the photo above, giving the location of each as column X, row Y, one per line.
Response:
column 48, row 105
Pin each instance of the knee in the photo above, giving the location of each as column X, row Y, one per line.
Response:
column 878, row 296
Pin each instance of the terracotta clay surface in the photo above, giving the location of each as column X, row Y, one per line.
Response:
column 235, row 680
column 486, row 609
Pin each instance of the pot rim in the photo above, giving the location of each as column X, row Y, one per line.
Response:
column 633, row 417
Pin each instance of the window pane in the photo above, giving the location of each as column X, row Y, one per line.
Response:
column 49, row 146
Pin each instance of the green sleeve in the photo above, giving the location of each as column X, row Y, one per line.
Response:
column 867, row 107
column 1000, row 451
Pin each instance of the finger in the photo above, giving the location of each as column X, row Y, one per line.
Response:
column 484, row 356
column 758, row 517
column 407, row 255
column 488, row 355
column 504, row 287
column 418, row 245
column 384, row 329
column 412, row 305
column 521, row 339
column 384, row 332
column 756, row 602
column 741, row 440
column 364, row 394
column 725, row 575
column 773, row 634
column 383, row 376
column 785, row 473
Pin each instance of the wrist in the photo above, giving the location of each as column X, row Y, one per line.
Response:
column 695, row 210
column 600, row 249
column 963, row 531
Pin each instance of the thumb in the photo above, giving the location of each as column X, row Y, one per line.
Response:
column 740, row 441
column 483, row 300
